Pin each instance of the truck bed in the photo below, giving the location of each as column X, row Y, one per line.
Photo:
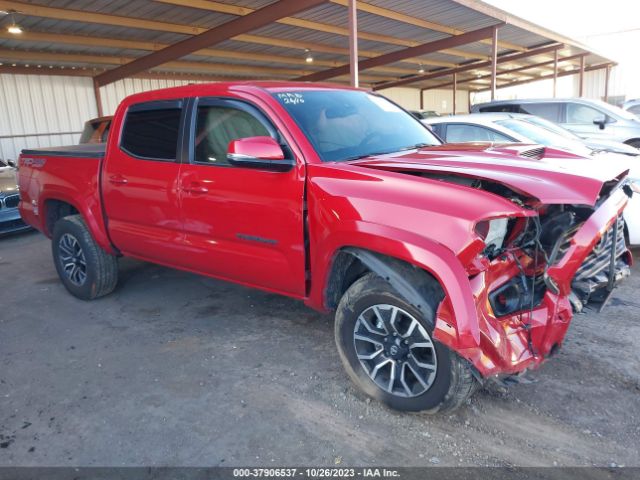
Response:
column 88, row 150
column 68, row 174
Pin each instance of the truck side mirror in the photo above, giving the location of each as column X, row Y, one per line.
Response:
column 12, row 163
column 258, row 152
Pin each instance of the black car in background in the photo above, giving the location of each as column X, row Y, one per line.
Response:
column 10, row 220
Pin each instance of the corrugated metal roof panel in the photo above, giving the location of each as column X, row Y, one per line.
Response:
column 445, row 12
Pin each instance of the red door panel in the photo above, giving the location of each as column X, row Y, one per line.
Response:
column 140, row 193
column 246, row 227
column 243, row 224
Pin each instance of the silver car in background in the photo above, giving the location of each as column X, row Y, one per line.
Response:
column 586, row 118
column 10, row 220
column 504, row 128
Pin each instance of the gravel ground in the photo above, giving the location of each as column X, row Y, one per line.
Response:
column 177, row 369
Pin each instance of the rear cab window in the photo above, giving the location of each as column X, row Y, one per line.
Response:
column 151, row 130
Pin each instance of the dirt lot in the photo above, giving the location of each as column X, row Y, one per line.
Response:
column 177, row 369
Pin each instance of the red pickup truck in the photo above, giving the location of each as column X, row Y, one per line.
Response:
column 446, row 265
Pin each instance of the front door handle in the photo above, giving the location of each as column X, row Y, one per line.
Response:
column 118, row 179
column 195, row 188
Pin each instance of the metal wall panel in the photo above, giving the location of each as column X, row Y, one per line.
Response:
column 42, row 110
column 48, row 110
column 441, row 101
column 438, row 100
column 408, row 98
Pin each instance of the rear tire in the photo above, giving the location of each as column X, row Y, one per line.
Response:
column 417, row 372
column 87, row 271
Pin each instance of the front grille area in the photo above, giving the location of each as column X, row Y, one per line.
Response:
column 565, row 243
column 12, row 226
column 10, row 201
column 537, row 153
column 590, row 285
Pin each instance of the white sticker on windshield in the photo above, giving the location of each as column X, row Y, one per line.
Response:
column 291, row 98
column 384, row 104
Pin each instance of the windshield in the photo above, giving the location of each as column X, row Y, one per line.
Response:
column 349, row 124
column 540, row 135
column 541, row 122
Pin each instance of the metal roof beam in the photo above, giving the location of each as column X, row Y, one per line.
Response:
column 83, row 40
column 257, row 19
column 466, row 68
column 219, row 69
column 400, row 55
column 219, row 7
column 138, row 23
column 408, row 19
column 66, row 72
column 550, row 76
column 504, row 72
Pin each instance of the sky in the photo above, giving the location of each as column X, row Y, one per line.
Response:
column 611, row 28
column 596, row 22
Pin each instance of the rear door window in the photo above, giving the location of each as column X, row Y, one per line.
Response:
column 500, row 108
column 151, row 130
column 548, row 111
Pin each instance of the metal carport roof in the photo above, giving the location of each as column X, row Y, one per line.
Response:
column 91, row 37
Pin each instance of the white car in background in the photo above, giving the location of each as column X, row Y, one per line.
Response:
column 521, row 128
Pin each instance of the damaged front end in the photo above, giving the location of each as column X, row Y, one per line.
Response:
column 607, row 264
column 532, row 270
column 561, row 243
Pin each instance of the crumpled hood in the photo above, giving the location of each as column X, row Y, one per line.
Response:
column 550, row 183
column 8, row 181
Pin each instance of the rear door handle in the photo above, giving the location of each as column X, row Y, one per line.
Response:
column 195, row 188
column 118, row 179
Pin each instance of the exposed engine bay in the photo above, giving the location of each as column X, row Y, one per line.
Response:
column 538, row 242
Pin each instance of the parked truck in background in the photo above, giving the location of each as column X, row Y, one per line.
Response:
column 445, row 265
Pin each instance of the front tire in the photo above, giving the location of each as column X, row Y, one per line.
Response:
column 87, row 271
column 386, row 347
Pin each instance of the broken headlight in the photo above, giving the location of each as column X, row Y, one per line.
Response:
column 519, row 293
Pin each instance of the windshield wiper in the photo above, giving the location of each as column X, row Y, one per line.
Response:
column 372, row 154
column 417, row 146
